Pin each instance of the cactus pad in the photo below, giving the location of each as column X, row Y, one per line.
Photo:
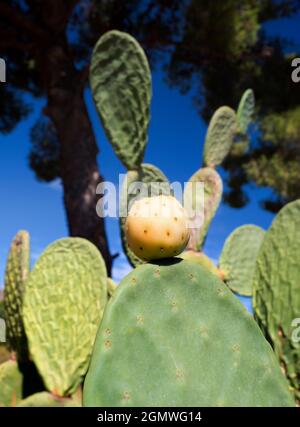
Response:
column 64, row 300
column 121, row 85
column 146, row 174
column 202, row 259
column 17, row 271
column 45, row 399
column 245, row 111
column 174, row 335
column 238, row 258
column 219, row 136
column 213, row 188
column 10, row 384
column 276, row 290
column 111, row 287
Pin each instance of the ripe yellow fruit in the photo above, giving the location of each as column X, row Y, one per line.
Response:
column 157, row 227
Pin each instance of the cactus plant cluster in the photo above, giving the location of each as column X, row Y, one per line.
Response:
column 173, row 332
column 53, row 312
column 237, row 270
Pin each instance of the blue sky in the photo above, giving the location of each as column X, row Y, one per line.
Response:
column 176, row 138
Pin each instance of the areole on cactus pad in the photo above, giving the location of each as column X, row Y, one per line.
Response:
column 175, row 335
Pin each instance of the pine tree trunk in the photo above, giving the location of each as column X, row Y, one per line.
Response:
column 78, row 151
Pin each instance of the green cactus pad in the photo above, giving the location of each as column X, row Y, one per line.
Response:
column 10, row 384
column 276, row 290
column 245, row 111
column 238, row 258
column 17, row 271
column 174, row 335
column 66, row 293
column 111, row 287
column 219, row 136
column 45, row 399
column 121, row 85
column 213, row 189
column 202, row 259
column 146, row 174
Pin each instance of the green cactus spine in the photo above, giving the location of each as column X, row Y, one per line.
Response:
column 276, row 298
column 169, row 337
column 63, row 304
column 121, row 85
column 16, row 274
column 238, row 258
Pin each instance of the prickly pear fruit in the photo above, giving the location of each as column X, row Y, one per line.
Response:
column 175, row 335
column 157, row 227
column 238, row 258
column 121, row 84
column 276, row 290
column 154, row 183
column 204, row 260
column 10, row 383
column 65, row 296
column 17, row 271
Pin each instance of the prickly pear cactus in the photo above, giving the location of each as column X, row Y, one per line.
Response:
column 202, row 259
column 45, row 399
column 238, row 258
column 245, row 111
column 156, row 183
column 175, row 335
column 66, row 293
column 276, row 298
column 10, row 384
column 203, row 209
column 219, row 137
column 111, row 287
column 121, row 85
column 17, row 271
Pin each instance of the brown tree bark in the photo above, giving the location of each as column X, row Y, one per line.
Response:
column 78, row 149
